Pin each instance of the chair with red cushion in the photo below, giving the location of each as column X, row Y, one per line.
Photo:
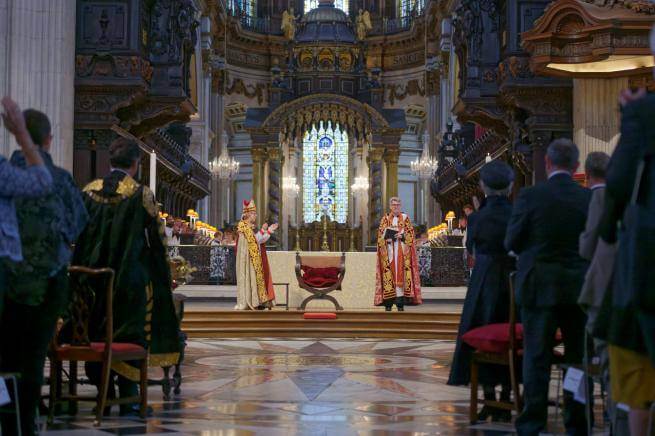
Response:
column 320, row 275
column 87, row 286
column 496, row 344
column 500, row 344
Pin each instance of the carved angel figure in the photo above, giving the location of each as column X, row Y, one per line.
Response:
column 363, row 24
column 288, row 24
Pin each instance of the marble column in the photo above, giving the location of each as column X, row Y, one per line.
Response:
column 391, row 156
column 275, row 203
column 259, row 181
column 37, row 66
column 376, row 200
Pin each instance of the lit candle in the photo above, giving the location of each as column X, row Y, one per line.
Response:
column 153, row 172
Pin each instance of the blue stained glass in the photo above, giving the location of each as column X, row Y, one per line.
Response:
column 339, row 4
column 325, row 174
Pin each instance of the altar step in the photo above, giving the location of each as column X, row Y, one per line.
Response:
column 291, row 324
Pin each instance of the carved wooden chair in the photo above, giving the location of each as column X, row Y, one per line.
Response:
column 88, row 286
column 320, row 285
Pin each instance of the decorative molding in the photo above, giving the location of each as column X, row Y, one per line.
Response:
column 107, row 65
column 398, row 92
column 238, row 86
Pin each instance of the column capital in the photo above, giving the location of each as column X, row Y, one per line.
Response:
column 258, row 153
column 275, row 153
column 391, row 155
column 375, row 153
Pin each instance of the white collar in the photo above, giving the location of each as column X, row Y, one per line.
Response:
column 556, row 172
column 112, row 169
column 597, row 186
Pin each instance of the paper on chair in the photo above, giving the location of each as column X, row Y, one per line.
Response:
column 4, row 393
column 574, row 382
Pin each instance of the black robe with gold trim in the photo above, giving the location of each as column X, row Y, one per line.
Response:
column 124, row 234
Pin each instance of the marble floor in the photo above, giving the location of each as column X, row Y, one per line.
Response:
column 303, row 387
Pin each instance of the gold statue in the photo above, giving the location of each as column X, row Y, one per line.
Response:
column 288, row 24
column 363, row 24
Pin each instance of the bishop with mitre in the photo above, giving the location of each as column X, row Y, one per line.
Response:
column 397, row 278
column 254, row 284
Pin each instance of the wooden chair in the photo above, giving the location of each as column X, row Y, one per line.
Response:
column 511, row 359
column 81, row 349
column 320, row 262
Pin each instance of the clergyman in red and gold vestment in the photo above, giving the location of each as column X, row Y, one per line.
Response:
column 254, row 284
column 397, row 279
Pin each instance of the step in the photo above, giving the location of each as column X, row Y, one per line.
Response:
column 341, row 315
column 348, row 324
column 313, row 332
column 219, row 323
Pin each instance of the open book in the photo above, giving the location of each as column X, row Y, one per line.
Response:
column 390, row 233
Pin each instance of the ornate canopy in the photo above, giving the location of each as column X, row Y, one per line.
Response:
column 587, row 38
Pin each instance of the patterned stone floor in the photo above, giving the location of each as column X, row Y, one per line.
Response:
column 304, row 387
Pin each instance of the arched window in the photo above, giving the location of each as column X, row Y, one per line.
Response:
column 243, row 7
column 325, row 174
column 339, row 4
column 406, row 7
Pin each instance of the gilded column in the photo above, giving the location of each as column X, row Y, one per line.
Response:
column 37, row 66
column 376, row 202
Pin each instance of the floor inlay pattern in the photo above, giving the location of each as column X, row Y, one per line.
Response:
column 330, row 387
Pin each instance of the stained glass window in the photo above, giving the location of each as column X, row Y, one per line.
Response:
column 339, row 4
column 243, row 7
column 325, row 173
column 406, row 7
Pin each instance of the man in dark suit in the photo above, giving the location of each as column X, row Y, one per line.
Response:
column 543, row 231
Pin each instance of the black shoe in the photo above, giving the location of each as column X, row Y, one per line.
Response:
column 133, row 410
column 401, row 308
column 485, row 413
column 400, row 303
column 501, row 415
column 387, row 308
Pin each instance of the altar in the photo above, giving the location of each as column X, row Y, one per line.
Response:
column 357, row 289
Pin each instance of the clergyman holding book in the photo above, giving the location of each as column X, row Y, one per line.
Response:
column 397, row 278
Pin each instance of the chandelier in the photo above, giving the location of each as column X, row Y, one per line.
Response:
column 224, row 167
column 361, row 185
column 289, row 186
column 425, row 167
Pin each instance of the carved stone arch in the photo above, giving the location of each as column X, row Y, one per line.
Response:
column 293, row 118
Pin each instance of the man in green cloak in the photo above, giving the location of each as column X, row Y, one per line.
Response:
column 124, row 233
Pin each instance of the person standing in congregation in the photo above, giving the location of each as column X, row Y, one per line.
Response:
column 543, row 231
column 38, row 291
column 124, row 233
column 487, row 298
column 32, row 181
column 397, row 275
column 626, row 320
column 254, row 283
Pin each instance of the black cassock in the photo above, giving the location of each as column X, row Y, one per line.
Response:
column 487, row 297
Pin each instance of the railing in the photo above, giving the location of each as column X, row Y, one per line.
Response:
column 177, row 155
column 271, row 26
column 396, row 25
column 472, row 155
